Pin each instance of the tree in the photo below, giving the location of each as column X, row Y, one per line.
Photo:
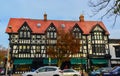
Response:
column 3, row 53
column 65, row 46
column 112, row 7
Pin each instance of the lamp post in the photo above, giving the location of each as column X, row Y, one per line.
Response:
column 82, row 65
column 7, row 63
column 8, row 53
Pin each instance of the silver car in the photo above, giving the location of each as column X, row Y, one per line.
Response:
column 45, row 71
column 71, row 72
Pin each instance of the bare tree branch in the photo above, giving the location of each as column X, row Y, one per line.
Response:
column 102, row 5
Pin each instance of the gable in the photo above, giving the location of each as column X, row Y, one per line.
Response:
column 98, row 28
column 77, row 28
column 24, row 27
column 51, row 27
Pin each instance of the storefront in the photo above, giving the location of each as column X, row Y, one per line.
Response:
column 97, row 63
column 22, row 65
column 78, row 63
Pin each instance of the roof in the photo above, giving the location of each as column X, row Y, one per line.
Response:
column 85, row 26
column 114, row 40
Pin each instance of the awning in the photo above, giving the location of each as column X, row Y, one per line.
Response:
column 49, row 61
column 23, row 61
column 78, row 61
column 99, row 61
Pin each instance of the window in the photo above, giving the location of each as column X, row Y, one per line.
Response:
column 117, row 51
column 24, row 34
column 98, row 48
column 51, row 69
column 77, row 32
column 24, row 31
column 42, row 70
column 24, row 49
column 98, row 45
column 51, row 32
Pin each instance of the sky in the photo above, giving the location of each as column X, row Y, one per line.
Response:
column 55, row 10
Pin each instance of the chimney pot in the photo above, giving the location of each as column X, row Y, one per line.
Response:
column 45, row 16
column 81, row 18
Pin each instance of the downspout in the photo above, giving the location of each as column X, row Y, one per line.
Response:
column 109, row 59
column 88, row 64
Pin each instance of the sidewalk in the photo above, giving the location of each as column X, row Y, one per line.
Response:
column 85, row 74
column 16, row 74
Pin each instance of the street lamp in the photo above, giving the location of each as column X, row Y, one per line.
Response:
column 7, row 62
column 8, row 56
column 82, row 65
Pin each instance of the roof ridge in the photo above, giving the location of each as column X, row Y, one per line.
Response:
column 54, row 20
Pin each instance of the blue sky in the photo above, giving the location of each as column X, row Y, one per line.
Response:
column 55, row 9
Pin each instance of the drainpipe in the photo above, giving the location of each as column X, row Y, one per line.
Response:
column 88, row 65
column 109, row 56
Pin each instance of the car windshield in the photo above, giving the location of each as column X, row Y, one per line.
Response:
column 41, row 70
column 45, row 69
column 106, row 69
column 115, row 68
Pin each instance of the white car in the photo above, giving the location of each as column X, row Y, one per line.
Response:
column 45, row 71
column 71, row 72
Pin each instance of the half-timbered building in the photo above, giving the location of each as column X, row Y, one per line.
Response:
column 28, row 39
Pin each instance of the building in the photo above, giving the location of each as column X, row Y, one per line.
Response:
column 115, row 52
column 29, row 37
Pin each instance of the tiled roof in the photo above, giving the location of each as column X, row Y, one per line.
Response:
column 86, row 26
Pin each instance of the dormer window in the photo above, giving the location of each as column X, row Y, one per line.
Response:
column 24, row 31
column 24, row 34
column 77, row 32
column 51, row 32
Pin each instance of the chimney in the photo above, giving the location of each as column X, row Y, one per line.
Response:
column 81, row 18
column 45, row 17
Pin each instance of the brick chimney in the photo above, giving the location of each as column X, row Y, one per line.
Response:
column 45, row 17
column 81, row 18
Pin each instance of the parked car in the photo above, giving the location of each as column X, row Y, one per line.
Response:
column 71, row 72
column 2, row 71
column 114, row 72
column 100, row 71
column 45, row 71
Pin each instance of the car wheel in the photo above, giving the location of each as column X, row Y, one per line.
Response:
column 75, row 75
column 29, row 75
column 97, row 75
column 55, row 75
